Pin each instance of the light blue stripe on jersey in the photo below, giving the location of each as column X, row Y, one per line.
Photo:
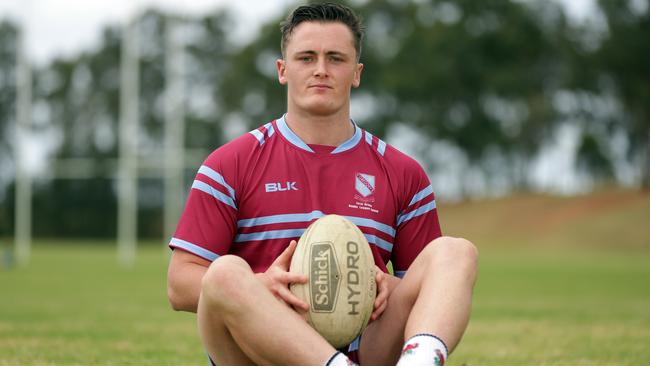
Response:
column 400, row 274
column 415, row 213
column 294, row 233
column 258, row 135
column 289, row 135
column 306, row 217
column 361, row 221
column 368, row 138
column 280, row 219
column 352, row 142
column 202, row 186
column 272, row 234
column 381, row 147
column 354, row 345
column 193, row 248
column 381, row 243
column 206, row 170
column 421, row 195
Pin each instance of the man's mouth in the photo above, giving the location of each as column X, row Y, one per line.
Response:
column 320, row 86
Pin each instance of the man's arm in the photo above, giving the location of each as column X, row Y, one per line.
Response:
column 186, row 271
column 184, row 280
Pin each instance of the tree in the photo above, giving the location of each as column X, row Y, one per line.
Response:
column 623, row 60
column 477, row 74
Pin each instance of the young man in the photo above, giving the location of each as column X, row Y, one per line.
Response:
column 254, row 196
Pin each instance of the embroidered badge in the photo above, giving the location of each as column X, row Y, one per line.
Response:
column 364, row 184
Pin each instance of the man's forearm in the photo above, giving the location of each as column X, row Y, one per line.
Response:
column 184, row 286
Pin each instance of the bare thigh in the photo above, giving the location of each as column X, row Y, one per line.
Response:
column 434, row 297
column 242, row 323
column 217, row 340
column 382, row 340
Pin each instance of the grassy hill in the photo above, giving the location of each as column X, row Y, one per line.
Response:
column 612, row 219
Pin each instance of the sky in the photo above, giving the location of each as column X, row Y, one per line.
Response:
column 66, row 27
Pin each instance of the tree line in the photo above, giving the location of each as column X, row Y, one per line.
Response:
column 492, row 80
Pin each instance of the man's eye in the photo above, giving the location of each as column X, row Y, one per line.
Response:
column 306, row 58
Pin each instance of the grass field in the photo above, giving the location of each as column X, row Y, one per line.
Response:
column 561, row 282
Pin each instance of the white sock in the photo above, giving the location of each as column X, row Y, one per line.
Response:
column 339, row 359
column 423, row 350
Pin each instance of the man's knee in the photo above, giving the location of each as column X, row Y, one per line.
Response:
column 221, row 284
column 457, row 252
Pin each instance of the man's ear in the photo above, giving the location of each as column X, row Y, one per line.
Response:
column 356, row 81
column 280, row 64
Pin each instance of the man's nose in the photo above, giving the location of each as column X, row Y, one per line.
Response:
column 321, row 68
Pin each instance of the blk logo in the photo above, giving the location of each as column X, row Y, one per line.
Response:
column 280, row 187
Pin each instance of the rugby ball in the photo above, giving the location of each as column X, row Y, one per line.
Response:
column 341, row 290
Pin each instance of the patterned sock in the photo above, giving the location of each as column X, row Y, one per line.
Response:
column 423, row 350
column 339, row 359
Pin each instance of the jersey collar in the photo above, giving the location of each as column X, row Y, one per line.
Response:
column 296, row 141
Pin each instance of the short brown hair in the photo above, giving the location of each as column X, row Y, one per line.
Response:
column 324, row 12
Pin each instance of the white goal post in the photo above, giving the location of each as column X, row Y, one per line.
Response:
column 128, row 164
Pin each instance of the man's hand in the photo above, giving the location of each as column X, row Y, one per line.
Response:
column 277, row 279
column 381, row 300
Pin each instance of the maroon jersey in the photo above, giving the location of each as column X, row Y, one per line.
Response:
column 254, row 194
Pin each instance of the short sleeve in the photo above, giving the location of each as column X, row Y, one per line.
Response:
column 208, row 223
column 417, row 223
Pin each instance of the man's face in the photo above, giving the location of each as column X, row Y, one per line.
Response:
column 320, row 68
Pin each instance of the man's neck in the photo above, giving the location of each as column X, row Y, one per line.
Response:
column 331, row 130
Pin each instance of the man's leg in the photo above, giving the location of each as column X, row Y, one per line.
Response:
column 434, row 298
column 242, row 323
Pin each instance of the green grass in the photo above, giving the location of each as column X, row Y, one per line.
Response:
column 73, row 305
column 567, row 308
column 569, row 291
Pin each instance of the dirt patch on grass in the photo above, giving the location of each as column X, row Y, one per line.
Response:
column 603, row 216
column 566, row 211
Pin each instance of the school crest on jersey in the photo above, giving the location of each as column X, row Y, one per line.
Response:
column 364, row 185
